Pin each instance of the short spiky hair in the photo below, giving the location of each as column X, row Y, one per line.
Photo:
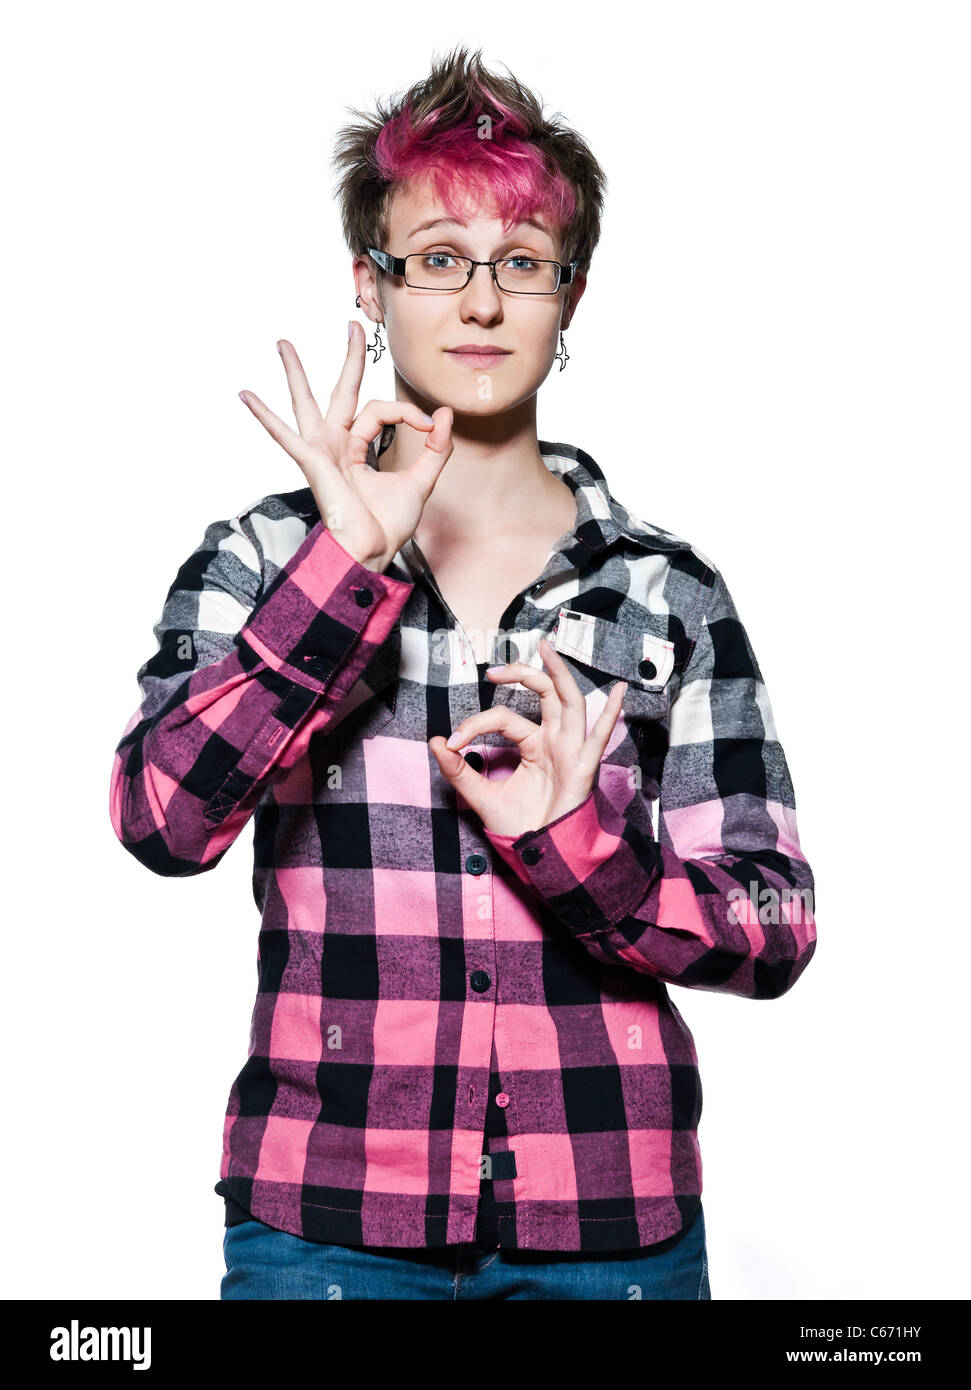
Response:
column 529, row 164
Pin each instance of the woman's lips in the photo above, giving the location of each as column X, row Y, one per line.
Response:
column 479, row 359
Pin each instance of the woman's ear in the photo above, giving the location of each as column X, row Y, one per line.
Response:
column 574, row 293
column 367, row 283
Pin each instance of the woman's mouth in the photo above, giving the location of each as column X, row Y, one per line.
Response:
column 471, row 355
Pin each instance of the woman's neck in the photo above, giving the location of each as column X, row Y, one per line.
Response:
column 488, row 484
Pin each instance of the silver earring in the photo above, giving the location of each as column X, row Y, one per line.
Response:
column 377, row 347
column 562, row 360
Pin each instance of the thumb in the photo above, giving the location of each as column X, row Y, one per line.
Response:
column 436, row 453
column 456, row 770
column 450, row 760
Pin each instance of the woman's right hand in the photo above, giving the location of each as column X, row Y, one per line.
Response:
column 371, row 513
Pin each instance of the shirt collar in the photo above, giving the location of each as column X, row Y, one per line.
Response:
column 600, row 517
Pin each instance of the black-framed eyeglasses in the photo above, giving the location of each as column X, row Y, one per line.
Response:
column 442, row 270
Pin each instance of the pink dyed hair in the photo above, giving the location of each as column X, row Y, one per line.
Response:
column 505, row 171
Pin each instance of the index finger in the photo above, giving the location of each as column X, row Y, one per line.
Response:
column 555, row 711
column 343, row 398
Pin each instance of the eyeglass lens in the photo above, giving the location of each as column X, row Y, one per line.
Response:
column 440, row 270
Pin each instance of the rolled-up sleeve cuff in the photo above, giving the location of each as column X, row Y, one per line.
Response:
column 590, row 865
column 317, row 608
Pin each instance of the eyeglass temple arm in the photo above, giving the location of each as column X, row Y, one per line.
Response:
column 395, row 265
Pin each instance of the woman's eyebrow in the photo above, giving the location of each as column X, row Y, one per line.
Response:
column 458, row 222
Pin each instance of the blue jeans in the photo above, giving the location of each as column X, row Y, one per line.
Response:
column 265, row 1263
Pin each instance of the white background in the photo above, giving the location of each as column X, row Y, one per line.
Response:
column 771, row 359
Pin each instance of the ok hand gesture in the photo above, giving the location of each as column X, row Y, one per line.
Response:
column 371, row 513
column 558, row 760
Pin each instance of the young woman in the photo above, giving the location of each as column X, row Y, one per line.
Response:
column 452, row 679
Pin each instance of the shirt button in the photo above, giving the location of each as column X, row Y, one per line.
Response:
column 480, row 980
column 647, row 669
column 363, row 597
column 576, row 913
column 316, row 665
column 511, row 651
column 531, row 854
column 475, row 760
column 502, row 1099
column 476, row 864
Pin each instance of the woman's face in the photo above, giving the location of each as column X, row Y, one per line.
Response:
column 425, row 327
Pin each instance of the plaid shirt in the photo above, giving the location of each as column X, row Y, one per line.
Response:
column 430, row 992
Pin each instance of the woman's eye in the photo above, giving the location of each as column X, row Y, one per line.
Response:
column 520, row 262
column 436, row 260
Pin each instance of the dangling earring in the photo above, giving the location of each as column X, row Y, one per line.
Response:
column 562, row 360
column 377, row 347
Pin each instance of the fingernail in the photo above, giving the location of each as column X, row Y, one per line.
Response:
column 279, row 348
column 242, row 397
column 491, row 670
column 453, row 740
column 350, row 327
column 427, row 419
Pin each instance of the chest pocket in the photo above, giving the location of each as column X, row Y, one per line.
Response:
column 643, row 659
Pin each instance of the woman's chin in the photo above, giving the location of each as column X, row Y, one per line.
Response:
column 470, row 403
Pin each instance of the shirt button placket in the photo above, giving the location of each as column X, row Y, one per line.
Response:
column 480, row 981
column 477, row 864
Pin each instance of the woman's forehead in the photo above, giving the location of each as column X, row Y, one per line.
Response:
column 416, row 210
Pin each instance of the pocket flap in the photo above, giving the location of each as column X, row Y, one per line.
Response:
column 643, row 659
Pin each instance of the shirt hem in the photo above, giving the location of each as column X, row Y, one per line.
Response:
column 525, row 1226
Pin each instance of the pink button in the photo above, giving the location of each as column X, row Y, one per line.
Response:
column 502, row 1099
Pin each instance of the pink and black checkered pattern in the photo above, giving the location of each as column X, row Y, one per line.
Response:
column 430, row 992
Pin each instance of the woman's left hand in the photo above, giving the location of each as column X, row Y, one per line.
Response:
column 558, row 760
